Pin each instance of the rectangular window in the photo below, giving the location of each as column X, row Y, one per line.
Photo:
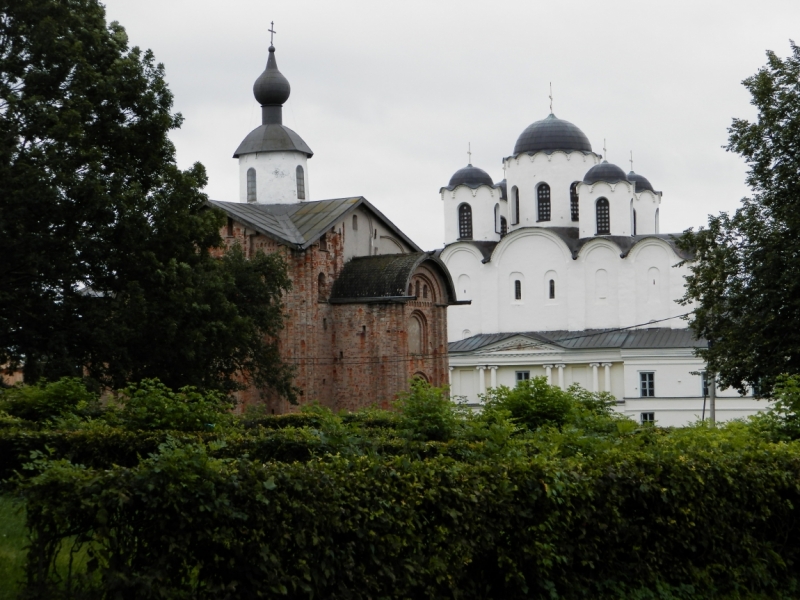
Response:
column 647, row 384
column 523, row 376
column 704, row 384
column 517, row 290
column 230, row 227
column 323, row 243
column 648, row 418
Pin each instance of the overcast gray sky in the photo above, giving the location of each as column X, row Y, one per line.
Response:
column 388, row 94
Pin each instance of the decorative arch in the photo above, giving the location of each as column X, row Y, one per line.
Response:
column 422, row 376
column 542, row 203
column 603, row 217
column 464, row 221
column 517, row 234
column 252, row 194
column 417, row 333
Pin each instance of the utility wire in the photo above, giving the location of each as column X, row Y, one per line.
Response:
column 394, row 358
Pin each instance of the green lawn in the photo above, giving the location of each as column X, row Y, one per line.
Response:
column 12, row 544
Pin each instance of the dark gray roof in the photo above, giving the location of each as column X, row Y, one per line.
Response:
column 552, row 134
column 605, row 171
column 272, row 137
column 569, row 235
column 641, row 182
column 592, row 339
column 470, row 176
column 300, row 224
column 271, row 87
column 385, row 277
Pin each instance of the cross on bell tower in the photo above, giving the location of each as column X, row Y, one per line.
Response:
column 469, row 153
column 631, row 161
column 271, row 31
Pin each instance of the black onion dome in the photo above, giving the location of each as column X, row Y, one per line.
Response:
column 551, row 134
column 641, row 182
column 471, row 177
column 605, row 171
column 271, row 87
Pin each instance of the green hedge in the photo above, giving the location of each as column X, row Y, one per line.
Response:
column 670, row 519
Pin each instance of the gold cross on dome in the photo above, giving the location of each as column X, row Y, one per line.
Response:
column 271, row 31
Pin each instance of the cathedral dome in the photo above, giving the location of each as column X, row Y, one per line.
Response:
column 551, row 134
column 641, row 182
column 605, row 171
column 271, row 87
column 471, row 177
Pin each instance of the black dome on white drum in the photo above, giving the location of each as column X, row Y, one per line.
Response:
column 552, row 134
column 470, row 176
column 271, row 87
column 605, row 171
column 641, row 182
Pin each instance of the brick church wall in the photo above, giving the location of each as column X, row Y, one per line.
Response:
column 347, row 356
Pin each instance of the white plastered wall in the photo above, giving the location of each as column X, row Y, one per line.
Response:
column 482, row 201
column 276, row 176
column 370, row 236
column 559, row 170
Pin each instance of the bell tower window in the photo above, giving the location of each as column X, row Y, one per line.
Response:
column 503, row 226
column 543, row 202
column 603, row 217
column 251, row 185
column 465, row 222
column 301, row 183
column 515, row 207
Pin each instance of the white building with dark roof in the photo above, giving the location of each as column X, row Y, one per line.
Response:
column 570, row 277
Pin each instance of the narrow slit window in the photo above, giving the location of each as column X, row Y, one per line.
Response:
column 603, row 217
column 301, row 183
column 573, row 202
column 633, row 221
column 552, row 289
column 355, row 222
column 543, row 202
column 322, row 294
column 515, row 216
column 424, row 291
column 230, row 227
column 323, row 242
column 465, row 222
column 503, row 226
column 416, row 289
column 251, row 185
column 517, row 290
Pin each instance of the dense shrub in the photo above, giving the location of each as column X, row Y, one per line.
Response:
column 47, row 402
column 670, row 519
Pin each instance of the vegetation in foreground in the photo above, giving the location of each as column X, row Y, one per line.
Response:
column 544, row 494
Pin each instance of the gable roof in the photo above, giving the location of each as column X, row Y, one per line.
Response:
column 301, row 224
column 591, row 339
column 386, row 277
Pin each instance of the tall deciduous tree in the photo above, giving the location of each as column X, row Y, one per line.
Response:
column 745, row 282
column 104, row 241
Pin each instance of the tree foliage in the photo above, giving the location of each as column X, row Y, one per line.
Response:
column 745, row 282
column 105, row 241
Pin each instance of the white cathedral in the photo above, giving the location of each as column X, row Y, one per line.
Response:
column 570, row 277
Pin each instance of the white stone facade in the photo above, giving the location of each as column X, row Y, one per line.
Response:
column 276, row 177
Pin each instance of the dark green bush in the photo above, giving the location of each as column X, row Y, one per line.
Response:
column 703, row 515
column 46, row 402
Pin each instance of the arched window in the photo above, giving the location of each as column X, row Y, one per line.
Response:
column 503, row 226
column 301, row 183
column 410, row 289
column 355, row 222
column 543, row 202
column 416, row 289
column 552, row 289
column 465, row 222
column 251, row 185
column 517, row 289
column 416, row 334
column 497, row 218
column 603, row 217
column 656, row 220
column 573, row 201
column 515, row 207
column 322, row 293
column 633, row 219
column 424, row 291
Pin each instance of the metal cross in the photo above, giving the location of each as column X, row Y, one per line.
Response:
column 551, row 97
column 271, row 31
column 605, row 155
column 469, row 152
column 631, row 161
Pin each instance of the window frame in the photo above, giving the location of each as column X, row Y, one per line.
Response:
column 647, row 384
column 465, row 230
column 544, row 211
column 574, row 202
column 300, row 180
column 647, row 418
column 520, row 376
column 602, row 204
column 252, row 185
column 517, row 290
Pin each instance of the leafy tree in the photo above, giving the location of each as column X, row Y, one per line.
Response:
column 47, row 401
column 105, row 241
column 745, row 281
